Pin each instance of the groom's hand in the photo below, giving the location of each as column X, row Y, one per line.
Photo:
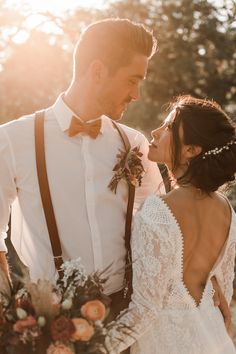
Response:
column 4, row 273
column 220, row 301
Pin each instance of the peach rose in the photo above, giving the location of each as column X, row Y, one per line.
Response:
column 83, row 330
column 94, row 310
column 59, row 348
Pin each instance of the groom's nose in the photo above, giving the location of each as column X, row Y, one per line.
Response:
column 135, row 93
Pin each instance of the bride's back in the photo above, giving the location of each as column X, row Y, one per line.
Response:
column 204, row 223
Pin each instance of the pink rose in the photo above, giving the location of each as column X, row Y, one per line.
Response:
column 21, row 325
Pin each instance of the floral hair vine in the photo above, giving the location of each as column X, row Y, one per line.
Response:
column 217, row 151
column 128, row 167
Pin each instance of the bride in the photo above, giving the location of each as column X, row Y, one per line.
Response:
column 183, row 239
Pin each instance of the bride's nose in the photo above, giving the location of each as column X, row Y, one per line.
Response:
column 154, row 133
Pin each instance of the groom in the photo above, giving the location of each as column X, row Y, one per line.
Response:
column 81, row 146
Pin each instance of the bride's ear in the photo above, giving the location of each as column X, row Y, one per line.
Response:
column 192, row 151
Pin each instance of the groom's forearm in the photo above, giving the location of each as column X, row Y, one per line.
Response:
column 220, row 301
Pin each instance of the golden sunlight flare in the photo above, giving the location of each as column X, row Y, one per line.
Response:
column 56, row 6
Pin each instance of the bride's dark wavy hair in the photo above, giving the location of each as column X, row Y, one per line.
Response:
column 204, row 124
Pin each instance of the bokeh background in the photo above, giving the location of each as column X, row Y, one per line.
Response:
column 196, row 55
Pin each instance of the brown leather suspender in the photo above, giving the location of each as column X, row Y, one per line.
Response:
column 45, row 190
column 128, row 223
column 48, row 206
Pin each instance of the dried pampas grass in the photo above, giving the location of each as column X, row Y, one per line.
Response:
column 43, row 298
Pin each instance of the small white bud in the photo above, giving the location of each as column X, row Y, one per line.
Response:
column 66, row 304
column 21, row 314
column 41, row 321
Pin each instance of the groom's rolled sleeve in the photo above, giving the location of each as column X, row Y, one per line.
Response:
column 7, row 185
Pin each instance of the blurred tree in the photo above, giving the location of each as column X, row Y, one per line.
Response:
column 197, row 53
column 10, row 20
column 37, row 65
column 33, row 76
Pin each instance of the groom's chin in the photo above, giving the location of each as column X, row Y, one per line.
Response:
column 116, row 116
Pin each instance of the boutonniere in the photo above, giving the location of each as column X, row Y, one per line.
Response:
column 129, row 167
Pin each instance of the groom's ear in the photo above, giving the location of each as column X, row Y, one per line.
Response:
column 97, row 71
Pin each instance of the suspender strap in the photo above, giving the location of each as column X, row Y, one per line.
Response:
column 45, row 191
column 128, row 223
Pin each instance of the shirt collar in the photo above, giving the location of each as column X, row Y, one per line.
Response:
column 64, row 114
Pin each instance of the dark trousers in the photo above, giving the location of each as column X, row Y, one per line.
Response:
column 118, row 303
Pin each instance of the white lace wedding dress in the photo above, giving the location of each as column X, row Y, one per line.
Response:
column 163, row 316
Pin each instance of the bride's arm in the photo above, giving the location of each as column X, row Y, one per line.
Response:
column 153, row 251
column 224, row 277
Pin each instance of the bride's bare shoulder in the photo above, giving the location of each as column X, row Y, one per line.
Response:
column 173, row 197
column 182, row 199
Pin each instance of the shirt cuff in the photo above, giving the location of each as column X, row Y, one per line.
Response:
column 3, row 247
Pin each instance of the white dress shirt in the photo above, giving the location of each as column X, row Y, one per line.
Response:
column 90, row 217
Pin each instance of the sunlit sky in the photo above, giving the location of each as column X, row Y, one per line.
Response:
column 57, row 6
column 33, row 7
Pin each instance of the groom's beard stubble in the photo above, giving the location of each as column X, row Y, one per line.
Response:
column 116, row 111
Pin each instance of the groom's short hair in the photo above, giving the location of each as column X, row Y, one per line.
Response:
column 114, row 42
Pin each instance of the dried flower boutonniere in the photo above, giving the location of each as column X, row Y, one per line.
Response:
column 129, row 167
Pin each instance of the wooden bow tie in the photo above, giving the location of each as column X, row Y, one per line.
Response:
column 91, row 128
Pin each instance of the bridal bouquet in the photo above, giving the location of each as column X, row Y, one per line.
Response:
column 62, row 318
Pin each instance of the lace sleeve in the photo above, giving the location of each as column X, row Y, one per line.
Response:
column 225, row 272
column 153, row 250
